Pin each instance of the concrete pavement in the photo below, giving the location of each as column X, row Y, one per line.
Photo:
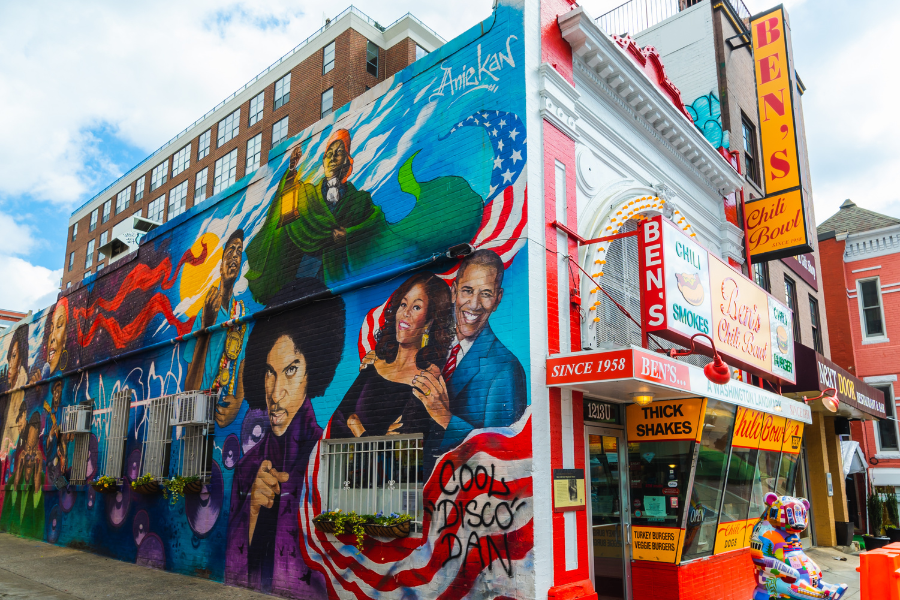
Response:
column 838, row 571
column 30, row 569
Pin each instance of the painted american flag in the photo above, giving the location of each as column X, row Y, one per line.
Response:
column 506, row 206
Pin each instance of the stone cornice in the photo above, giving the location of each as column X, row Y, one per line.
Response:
column 559, row 99
column 872, row 244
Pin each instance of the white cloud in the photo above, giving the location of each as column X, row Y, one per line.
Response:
column 26, row 286
column 15, row 238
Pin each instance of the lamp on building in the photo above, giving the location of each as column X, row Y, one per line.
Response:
column 829, row 401
column 717, row 371
column 642, row 398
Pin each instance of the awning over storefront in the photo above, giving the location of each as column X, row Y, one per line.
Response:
column 853, row 458
column 616, row 375
column 815, row 373
column 886, row 477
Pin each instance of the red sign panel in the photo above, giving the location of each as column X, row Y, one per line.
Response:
column 583, row 368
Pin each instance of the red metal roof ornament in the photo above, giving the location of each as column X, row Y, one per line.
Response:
column 648, row 59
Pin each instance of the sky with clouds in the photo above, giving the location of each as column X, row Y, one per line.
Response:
column 88, row 89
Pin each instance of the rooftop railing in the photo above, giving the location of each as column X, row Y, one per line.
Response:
column 350, row 9
column 636, row 16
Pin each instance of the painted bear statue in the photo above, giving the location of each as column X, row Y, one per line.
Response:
column 783, row 570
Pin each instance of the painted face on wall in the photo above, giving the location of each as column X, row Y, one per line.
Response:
column 57, row 341
column 21, row 422
column 335, row 161
column 411, row 316
column 285, row 383
column 231, row 261
column 57, row 396
column 15, row 361
column 476, row 295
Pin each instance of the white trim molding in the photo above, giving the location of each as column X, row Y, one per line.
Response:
column 558, row 100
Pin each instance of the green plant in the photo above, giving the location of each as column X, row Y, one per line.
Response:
column 889, row 497
column 391, row 519
column 106, row 482
column 175, row 487
column 143, row 480
column 875, row 508
column 344, row 521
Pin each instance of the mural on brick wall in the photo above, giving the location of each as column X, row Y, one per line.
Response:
column 351, row 363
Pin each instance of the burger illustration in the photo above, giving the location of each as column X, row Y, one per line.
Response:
column 782, row 335
column 690, row 287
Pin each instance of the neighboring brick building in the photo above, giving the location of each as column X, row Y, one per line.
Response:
column 345, row 58
column 861, row 249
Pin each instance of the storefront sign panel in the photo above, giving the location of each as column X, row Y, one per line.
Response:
column 657, row 544
column 657, row 369
column 747, row 428
column 771, row 436
column 733, row 536
column 782, row 341
column 793, row 437
column 740, row 317
column 776, row 226
column 665, row 420
column 589, row 366
column 804, row 265
column 601, row 412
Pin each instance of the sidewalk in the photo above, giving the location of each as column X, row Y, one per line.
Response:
column 837, row 571
column 30, row 569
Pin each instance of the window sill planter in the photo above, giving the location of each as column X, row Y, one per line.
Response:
column 398, row 530
column 146, row 485
column 339, row 523
column 324, row 526
column 193, row 487
column 105, row 485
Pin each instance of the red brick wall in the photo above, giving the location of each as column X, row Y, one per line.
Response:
column 554, row 49
column 831, row 253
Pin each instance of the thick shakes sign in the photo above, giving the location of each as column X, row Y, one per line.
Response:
column 685, row 290
column 776, row 224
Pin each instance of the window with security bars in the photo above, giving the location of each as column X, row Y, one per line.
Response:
column 256, row 108
column 116, row 433
column 200, row 186
column 157, row 438
column 76, row 421
column 159, row 175
column 282, row 91
column 226, row 171
column 107, row 208
column 377, row 474
column 279, row 131
column 181, row 160
column 156, row 210
column 203, row 145
column 229, row 127
column 178, row 199
column 621, row 280
column 254, row 150
column 372, row 59
column 193, row 418
column 123, row 198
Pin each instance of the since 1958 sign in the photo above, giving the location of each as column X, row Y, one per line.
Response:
column 685, row 290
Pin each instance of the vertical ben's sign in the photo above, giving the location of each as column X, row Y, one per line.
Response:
column 776, row 224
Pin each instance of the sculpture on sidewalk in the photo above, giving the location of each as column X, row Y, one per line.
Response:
column 783, row 570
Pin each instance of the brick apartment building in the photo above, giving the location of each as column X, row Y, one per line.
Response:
column 349, row 55
column 861, row 251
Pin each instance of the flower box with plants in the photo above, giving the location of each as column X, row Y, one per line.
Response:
column 105, row 485
column 339, row 522
column 178, row 486
column 145, row 484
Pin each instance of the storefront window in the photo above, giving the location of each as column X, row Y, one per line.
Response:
column 659, row 474
column 764, row 480
column 787, row 473
column 739, row 487
column 709, row 480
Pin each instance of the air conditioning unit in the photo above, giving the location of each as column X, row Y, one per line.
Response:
column 76, row 419
column 193, row 408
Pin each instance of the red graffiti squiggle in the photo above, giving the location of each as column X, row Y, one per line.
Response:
column 141, row 278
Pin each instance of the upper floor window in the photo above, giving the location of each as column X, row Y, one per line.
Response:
column 203, row 145
column 869, row 296
column 123, row 198
column 254, row 149
column 138, row 189
column 761, row 275
column 790, row 296
column 751, row 162
column 178, row 199
column 816, row 326
column 95, row 214
column 283, row 91
column 71, row 260
column 229, row 127
column 159, row 175
column 372, row 59
column 328, row 58
column 887, row 428
column 420, row 52
column 200, row 186
column 74, row 231
column 226, row 170
column 327, row 102
column 89, row 257
column 107, row 208
column 156, row 210
column 279, row 131
column 104, row 237
column 256, row 108
column 181, row 160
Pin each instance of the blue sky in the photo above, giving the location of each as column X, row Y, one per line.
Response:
column 88, row 89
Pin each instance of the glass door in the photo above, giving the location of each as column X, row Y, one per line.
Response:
column 608, row 513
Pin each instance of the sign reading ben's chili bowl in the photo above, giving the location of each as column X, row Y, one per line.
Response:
column 687, row 290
